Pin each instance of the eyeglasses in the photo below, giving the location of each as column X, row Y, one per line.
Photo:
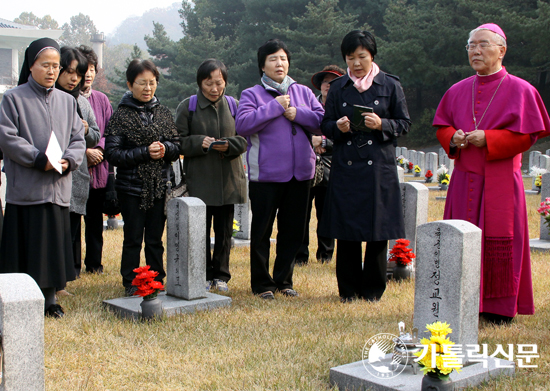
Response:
column 152, row 83
column 53, row 67
column 482, row 45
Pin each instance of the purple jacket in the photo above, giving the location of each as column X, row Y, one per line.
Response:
column 103, row 110
column 278, row 149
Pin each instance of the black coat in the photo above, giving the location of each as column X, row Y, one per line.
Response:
column 364, row 199
column 126, row 155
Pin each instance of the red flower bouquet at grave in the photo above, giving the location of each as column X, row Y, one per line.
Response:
column 401, row 254
column 429, row 174
column 410, row 166
column 148, row 288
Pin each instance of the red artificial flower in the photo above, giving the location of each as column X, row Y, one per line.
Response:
column 142, row 269
column 156, row 285
column 410, row 166
column 401, row 254
column 145, row 282
column 429, row 174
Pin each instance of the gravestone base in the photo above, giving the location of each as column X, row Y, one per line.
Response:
column 238, row 242
column 354, row 376
column 532, row 192
column 436, row 187
column 119, row 225
column 538, row 245
column 129, row 307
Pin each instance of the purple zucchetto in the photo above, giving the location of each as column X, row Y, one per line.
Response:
column 494, row 28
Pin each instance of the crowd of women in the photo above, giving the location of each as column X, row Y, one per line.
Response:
column 61, row 140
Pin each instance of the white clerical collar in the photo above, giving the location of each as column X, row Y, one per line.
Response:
column 491, row 73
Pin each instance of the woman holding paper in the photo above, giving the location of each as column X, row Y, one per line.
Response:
column 35, row 119
column 363, row 201
column 214, row 173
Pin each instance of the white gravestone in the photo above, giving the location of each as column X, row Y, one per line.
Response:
column 414, row 199
column 412, row 156
column 449, row 163
column 397, row 151
column 541, row 161
column 186, row 265
column 533, row 159
column 243, row 215
column 441, row 154
column 446, row 289
column 177, row 170
column 545, row 193
column 421, row 162
column 401, row 174
column 432, row 162
column 186, row 248
column 405, row 152
column 22, row 327
column 447, row 285
column 542, row 243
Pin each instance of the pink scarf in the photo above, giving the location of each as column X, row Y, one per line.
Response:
column 365, row 82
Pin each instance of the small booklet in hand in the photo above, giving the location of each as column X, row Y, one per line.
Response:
column 219, row 142
column 358, row 121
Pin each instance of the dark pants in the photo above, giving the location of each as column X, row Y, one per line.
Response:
column 76, row 233
column 325, row 246
column 94, row 230
column 287, row 201
column 217, row 265
column 141, row 224
column 367, row 280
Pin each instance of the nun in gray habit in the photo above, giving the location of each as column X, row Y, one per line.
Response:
column 36, row 238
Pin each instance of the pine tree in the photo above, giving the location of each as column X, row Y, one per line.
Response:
column 79, row 31
column 317, row 38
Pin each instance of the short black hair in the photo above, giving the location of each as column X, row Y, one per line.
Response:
column 90, row 55
column 207, row 67
column 270, row 47
column 138, row 66
column 68, row 55
column 355, row 39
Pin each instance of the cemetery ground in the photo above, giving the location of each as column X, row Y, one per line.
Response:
column 285, row 344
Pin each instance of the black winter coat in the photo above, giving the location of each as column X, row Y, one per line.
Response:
column 127, row 155
column 363, row 198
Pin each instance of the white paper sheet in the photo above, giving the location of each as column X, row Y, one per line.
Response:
column 54, row 153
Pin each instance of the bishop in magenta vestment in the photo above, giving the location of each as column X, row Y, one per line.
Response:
column 486, row 187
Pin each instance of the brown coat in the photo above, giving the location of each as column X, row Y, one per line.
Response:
column 216, row 178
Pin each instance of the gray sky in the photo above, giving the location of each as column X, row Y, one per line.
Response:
column 106, row 14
